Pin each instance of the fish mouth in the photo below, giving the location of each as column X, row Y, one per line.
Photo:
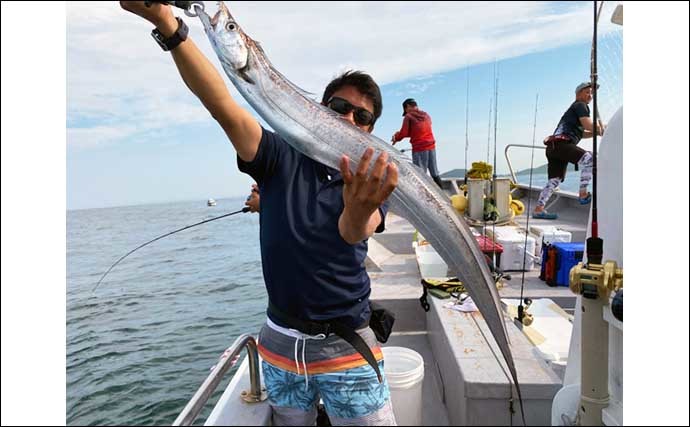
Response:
column 223, row 8
column 215, row 19
column 222, row 11
column 212, row 22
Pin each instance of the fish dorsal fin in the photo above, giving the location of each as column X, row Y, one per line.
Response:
column 261, row 49
column 301, row 91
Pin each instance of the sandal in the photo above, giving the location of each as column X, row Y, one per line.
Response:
column 585, row 200
column 544, row 215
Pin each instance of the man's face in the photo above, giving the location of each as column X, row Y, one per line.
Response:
column 358, row 100
column 585, row 95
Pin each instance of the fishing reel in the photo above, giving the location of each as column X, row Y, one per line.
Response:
column 596, row 280
column 523, row 316
column 617, row 305
column 490, row 213
column 497, row 273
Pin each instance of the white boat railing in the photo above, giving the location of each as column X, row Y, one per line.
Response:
column 558, row 193
column 510, row 166
column 254, row 395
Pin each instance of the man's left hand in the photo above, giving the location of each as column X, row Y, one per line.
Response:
column 363, row 193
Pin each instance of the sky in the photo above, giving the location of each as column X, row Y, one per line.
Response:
column 136, row 135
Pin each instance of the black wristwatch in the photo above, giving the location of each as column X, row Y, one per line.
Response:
column 173, row 41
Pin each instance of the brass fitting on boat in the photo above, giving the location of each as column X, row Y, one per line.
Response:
column 249, row 397
column 596, row 280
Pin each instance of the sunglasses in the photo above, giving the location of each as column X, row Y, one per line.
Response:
column 362, row 116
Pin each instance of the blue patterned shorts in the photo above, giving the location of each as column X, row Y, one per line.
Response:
column 347, row 395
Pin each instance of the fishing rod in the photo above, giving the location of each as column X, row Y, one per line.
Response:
column 488, row 144
column 488, row 136
column 467, row 104
column 243, row 210
column 493, row 181
column 596, row 25
column 595, row 245
column 595, row 282
column 524, row 317
column 404, row 151
column 493, row 190
column 497, row 272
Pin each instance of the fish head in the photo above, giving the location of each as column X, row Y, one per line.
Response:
column 227, row 38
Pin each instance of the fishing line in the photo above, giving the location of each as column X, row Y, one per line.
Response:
column 506, row 372
column 243, row 210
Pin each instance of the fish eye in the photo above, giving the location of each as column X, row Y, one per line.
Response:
column 230, row 26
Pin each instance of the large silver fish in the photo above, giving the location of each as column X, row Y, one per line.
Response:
column 321, row 134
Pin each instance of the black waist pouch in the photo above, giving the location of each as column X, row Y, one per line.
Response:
column 381, row 322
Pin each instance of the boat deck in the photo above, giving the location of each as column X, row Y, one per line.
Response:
column 466, row 381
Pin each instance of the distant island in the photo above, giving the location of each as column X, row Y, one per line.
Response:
column 454, row 174
column 540, row 170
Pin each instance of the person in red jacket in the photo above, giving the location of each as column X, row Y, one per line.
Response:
column 417, row 126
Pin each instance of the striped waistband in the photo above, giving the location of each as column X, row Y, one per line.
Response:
column 320, row 355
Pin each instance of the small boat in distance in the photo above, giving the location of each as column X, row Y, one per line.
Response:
column 211, row 202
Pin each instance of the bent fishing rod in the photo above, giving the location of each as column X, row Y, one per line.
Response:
column 243, row 210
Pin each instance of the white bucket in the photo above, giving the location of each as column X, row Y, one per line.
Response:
column 404, row 370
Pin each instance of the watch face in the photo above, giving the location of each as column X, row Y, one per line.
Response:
column 160, row 39
column 158, row 36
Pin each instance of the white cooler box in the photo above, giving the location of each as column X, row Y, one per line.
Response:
column 513, row 241
column 548, row 234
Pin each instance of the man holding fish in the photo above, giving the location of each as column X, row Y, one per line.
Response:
column 315, row 222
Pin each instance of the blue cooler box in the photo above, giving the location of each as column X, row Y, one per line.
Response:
column 569, row 254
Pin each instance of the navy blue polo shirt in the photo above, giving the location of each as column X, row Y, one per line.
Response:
column 310, row 271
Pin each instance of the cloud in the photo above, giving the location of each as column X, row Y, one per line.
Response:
column 417, row 85
column 117, row 77
column 96, row 135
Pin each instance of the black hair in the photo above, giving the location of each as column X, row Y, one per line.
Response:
column 363, row 83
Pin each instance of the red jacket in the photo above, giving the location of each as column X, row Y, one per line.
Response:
column 417, row 125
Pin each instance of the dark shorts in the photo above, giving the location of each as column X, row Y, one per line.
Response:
column 559, row 154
